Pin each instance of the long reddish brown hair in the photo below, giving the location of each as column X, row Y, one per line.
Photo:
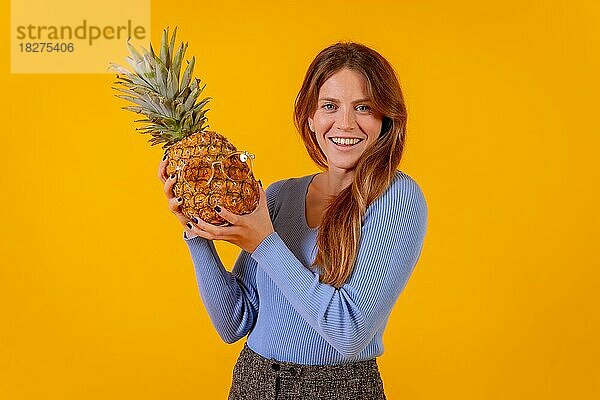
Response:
column 338, row 237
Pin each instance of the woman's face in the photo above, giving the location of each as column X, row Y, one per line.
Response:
column 344, row 112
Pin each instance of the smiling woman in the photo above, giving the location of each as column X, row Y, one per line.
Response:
column 351, row 92
column 315, row 322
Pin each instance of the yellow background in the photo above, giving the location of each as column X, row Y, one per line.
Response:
column 98, row 296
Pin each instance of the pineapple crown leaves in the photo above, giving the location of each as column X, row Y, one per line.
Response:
column 154, row 86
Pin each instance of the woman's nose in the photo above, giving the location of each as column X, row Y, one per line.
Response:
column 346, row 120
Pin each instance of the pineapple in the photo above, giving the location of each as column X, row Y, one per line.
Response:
column 210, row 170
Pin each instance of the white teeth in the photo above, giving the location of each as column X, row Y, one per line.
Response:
column 346, row 142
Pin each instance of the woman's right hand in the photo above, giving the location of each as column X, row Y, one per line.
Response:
column 174, row 202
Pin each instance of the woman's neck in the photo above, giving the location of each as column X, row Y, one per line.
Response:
column 332, row 182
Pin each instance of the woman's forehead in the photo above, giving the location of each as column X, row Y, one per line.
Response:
column 344, row 83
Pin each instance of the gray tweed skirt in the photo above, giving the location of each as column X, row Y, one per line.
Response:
column 258, row 378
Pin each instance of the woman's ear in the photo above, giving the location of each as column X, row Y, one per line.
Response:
column 310, row 124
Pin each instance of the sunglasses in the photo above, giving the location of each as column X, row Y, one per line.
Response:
column 236, row 166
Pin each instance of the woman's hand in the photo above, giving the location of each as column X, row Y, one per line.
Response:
column 174, row 203
column 246, row 231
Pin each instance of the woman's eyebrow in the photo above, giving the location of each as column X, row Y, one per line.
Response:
column 337, row 101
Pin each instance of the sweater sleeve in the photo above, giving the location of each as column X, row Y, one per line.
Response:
column 231, row 298
column 391, row 241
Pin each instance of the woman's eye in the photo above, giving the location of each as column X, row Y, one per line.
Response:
column 328, row 104
column 366, row 108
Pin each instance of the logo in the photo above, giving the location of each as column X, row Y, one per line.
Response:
column 68, row 36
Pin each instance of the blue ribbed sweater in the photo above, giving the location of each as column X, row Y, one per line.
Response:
column 274, row 296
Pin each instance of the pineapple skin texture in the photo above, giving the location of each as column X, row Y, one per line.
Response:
column 200, row 198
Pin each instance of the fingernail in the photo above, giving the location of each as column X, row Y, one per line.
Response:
column 172, row 176
column 217, row 209
column 179, row 199
column 195, row 220
column 189, row 225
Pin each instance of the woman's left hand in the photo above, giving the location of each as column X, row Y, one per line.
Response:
column 246, row 231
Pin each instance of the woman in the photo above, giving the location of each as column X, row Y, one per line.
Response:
column 325, row 256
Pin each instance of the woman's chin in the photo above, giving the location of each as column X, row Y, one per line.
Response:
column 341, row 164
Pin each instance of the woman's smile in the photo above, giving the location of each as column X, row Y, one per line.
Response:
column 345, row 144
